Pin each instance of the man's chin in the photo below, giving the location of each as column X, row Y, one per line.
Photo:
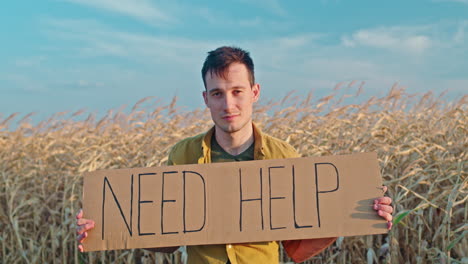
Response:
column 229, row 128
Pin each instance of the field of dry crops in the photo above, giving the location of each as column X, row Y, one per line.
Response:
column 421, row 143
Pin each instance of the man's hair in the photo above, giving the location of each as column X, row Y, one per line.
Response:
column 218, row 61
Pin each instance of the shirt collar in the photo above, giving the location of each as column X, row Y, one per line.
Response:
column 259, row 153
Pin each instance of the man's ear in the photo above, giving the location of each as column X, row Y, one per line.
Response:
column 256, row 92
column 205, row 98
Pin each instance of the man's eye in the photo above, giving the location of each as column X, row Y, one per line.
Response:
column 216, row 94
column 237, row 91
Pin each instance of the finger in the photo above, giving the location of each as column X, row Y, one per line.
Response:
column 80, row 248
column 83, row 228
column 389, row 225
column 82, row 237
column 384, row 189
column 385, row 215
column 86, row 227
column 84, row 221
column 385, row 208
column 79, row 214
column 383, row 200
column 80, row 229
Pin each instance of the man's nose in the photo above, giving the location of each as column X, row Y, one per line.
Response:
column 228, row 102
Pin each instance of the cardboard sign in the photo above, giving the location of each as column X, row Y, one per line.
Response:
column 235, row 202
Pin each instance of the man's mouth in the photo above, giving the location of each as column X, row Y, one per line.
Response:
column 230, row 117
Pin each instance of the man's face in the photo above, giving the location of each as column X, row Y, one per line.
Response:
column 231, row 100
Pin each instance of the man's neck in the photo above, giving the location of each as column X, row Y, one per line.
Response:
column 237, row 142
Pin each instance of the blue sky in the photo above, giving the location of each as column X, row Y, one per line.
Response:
column 67, row 55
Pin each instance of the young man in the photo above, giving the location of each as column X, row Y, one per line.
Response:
column 230, row 92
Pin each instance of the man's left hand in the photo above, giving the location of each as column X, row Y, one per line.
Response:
column 383, row 207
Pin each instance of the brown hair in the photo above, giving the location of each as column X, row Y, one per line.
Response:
column 218, row 61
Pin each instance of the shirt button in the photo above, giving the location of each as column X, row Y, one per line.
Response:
column 229, row 246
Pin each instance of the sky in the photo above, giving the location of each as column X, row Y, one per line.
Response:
column 97, row 55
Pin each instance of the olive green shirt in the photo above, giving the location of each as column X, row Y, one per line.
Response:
column 218, row 154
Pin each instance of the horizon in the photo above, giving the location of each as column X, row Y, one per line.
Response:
column 344, row 96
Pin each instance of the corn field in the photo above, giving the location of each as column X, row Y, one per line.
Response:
column 421, row 141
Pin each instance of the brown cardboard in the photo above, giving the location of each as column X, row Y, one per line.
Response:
column 233, row 202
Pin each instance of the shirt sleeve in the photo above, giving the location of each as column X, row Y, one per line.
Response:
column 301, row 250
column 170, row 161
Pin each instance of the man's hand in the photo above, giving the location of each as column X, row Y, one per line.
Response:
column 82, row 226
column 384, row 209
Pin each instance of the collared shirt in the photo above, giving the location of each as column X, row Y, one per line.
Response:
column 197, row 149
column 218, row 154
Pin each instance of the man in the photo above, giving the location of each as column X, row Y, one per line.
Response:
column 230, row 92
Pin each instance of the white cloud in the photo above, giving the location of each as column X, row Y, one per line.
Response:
column 293, row 62
column 92, row 39
column 218, row 18
column 397, row 39
column 142, row 10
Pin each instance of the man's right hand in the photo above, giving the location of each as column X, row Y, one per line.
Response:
column 82, row 226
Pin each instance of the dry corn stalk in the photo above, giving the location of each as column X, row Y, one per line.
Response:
column 421, row 143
